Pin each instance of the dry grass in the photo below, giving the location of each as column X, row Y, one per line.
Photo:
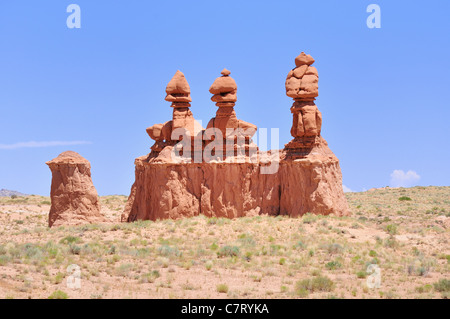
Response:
column 257, row 257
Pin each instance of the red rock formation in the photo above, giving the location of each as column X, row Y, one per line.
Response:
column 307, row 157
column 74, row 198
column 179, row 93
column 231, row 128
column 308, row 178
column 302, row 86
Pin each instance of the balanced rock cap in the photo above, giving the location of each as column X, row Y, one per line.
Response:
column 223, row 84
column 304, row 58
column 178, row 89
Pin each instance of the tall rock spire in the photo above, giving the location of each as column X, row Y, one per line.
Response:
column 302, row 86
column 179, row 93
column 224, row 91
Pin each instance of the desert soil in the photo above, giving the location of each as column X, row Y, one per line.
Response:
column 403, row 231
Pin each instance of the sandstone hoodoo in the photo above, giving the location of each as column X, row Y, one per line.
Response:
column 225, row 123
column 307, row 177
column 310, row 172
column 74, row 198
column 179, row 93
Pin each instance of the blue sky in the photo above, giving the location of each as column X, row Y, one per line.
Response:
column 383, row 93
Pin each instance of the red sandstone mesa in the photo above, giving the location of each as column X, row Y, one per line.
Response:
column 74, row 198
column 308, row 178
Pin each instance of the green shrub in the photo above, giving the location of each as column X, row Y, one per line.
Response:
column 309, row 218
column 59, row 278
column 361, row 274
column 228, row 251
column 403, row 198
column 333, row 265
column 425, row 288
column 150, row 277
column 442, row 285
column 58, row 294
column 222, row 288
column 306, row 286
column 166, row 250
column 69, row 240
column 391, row 229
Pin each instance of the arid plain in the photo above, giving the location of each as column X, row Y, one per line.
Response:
column 404, row 231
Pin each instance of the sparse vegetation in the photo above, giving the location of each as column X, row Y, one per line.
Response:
column 58, row 295
column 311, row 256
column 222, row 288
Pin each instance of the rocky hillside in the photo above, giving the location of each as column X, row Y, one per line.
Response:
column 8, row 193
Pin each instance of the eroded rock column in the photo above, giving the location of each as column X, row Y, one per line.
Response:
column 74, row 198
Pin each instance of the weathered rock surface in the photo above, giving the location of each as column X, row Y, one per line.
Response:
column 308, row 178
column 74, row 198
column 312, row 184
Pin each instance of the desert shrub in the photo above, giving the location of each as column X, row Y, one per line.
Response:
column 166, row 250
column 309, row 218
column 4, row 259
column 222, row 288
column 58, row 278
column 69, row 240
column 58, row 294
column 442, row 285
column 246, row 240
column 391, row 242
column 306, row 286
column 333, row 265
column 124, row 269
column 208, row 265
column 228, row 251
column 404, row 198
column 425, row 288
column 212, row 221
column 150, row 277
column 74, row 249
column 391, row 229
column 333, row 249
column 299, row 245
column 361, row 274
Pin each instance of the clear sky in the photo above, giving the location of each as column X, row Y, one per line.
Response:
column 384, row 93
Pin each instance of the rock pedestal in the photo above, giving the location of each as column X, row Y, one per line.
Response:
column 74, row 198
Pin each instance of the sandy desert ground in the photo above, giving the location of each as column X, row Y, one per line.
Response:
column 404, row 231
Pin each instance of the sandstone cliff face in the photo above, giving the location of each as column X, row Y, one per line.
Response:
column 74, row 198
column 308, row 185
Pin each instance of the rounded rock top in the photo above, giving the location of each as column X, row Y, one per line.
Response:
column 303, row 59
column 69, row 157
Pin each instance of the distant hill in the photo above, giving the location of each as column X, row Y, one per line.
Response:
column 8, row 193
